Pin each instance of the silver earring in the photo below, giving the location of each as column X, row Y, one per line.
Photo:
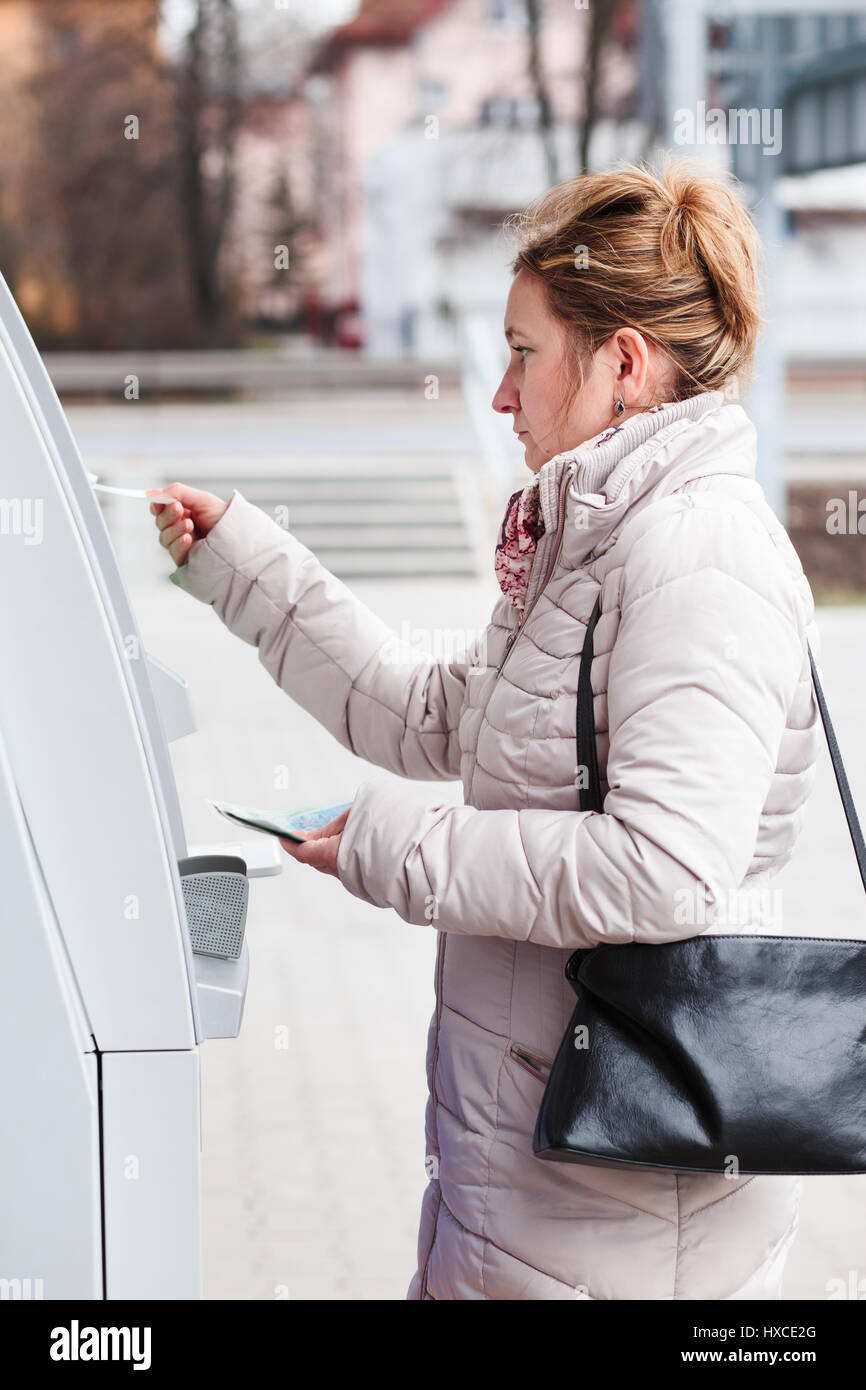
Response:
column 619, row 406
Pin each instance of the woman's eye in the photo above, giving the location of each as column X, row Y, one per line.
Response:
column 521, row 350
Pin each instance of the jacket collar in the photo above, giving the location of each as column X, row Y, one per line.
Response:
column 656, row 452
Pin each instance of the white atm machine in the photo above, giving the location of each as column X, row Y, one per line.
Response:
column 122, row 950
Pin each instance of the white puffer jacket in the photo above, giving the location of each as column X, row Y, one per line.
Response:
column 707, row 731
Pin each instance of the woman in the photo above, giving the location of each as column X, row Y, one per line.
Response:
column 633, row 308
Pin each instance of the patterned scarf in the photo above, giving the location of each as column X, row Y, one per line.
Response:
column 521, row 530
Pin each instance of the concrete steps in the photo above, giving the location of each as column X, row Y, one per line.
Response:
column 382, row 525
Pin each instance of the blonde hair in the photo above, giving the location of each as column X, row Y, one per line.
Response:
column 674, row 255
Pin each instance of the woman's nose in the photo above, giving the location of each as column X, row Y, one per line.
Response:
column 506, row 398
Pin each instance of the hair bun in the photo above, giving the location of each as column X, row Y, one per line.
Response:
column 708, row 225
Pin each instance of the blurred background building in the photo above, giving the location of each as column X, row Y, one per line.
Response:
column 243, row 174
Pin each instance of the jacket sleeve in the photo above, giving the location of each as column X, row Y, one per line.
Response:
column 378, row 696
column 702, row 674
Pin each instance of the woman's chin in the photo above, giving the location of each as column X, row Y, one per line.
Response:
column 531, row 455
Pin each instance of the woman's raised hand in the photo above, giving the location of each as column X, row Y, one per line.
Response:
column 188, row 519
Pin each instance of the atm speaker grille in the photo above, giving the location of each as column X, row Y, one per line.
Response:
column 216, row 910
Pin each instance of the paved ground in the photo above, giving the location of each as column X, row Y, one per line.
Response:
column 314, row 1152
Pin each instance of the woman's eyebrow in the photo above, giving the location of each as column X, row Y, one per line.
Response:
column 512, row 332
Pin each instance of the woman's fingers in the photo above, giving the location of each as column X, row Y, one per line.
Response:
column 319, row 853
column 204, row 507
column 167, row 513
column 171, row 533
column 321, row 847
column 177, row 539
column 333, row 827
column 179, row 549
column 189, row 518
column 186, row 496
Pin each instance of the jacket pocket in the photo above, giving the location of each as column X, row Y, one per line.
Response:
column 539, row 1067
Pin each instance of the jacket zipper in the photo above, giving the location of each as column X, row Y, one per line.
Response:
column 539, row 1067
column 440, row 959
column 510, row 641
column 440, row 962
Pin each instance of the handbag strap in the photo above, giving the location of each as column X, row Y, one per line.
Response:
column 587, row 752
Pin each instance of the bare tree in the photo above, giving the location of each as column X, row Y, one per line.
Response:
column 540, row 88
column 118, row 169
column 209, row 116
column 650, row 94
column 600, row 15
column 96, row 258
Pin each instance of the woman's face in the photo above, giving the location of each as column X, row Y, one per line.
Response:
column 534, row 388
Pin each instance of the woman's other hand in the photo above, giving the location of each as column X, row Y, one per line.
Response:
column 320, row 847
column 188, row 519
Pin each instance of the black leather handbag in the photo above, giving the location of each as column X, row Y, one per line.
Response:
column 720, row 1054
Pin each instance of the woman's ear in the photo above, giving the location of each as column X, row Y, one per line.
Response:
column 631, row 360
